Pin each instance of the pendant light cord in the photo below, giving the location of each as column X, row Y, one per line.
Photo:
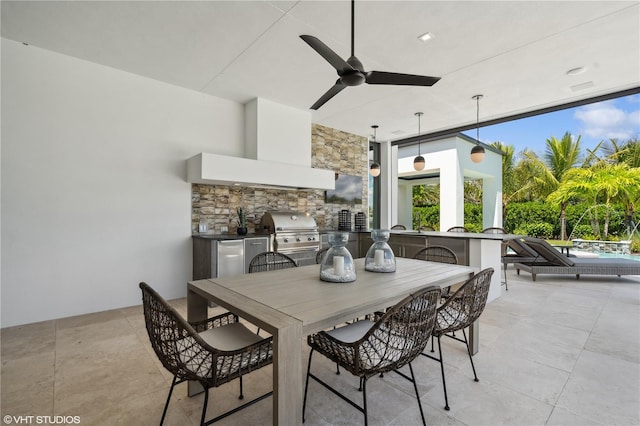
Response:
column 477, row 98
column 419, row 141
column 477, row 119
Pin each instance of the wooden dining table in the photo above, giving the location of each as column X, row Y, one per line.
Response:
column 293, row 303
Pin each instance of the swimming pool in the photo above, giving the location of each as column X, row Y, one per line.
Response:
column 620, row 256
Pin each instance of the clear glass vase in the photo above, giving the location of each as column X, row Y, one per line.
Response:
column 380, row 257
column 337, row 265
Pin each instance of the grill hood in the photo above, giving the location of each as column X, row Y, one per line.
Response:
column 277, row 153
column 287, row 221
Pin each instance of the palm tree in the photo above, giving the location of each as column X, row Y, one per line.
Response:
column 561, row 155
column 508, row 176
column 601, row 183
column 524, row 188
column 627, row 152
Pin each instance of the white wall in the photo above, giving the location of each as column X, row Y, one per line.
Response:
column 449, row 158
column 94, row 196
column 267, row 139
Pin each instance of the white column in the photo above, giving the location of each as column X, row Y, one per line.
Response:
column 405, row 204
column 491, row 202
column 486, row 254
column 388, row 185
column 451, row 193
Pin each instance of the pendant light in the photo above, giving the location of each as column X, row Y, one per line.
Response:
column 418, row 162
column 477, row 152
column 374, row 168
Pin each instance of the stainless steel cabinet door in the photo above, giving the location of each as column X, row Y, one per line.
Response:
column 230, row 258
column 253, row 246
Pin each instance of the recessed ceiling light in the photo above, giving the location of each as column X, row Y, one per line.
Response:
column 576, row 71
column 426, row 36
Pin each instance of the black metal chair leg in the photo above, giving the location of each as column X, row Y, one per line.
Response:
column 306, row 386
column 204, row 406
column 337, row 368
column 506, row 285
column 241, row 392
column 415, row 387
column 444, row 382
column 364, row 399
column 166, row 404
column 470, row 356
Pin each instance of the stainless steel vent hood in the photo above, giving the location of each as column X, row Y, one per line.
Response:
column 277, row 153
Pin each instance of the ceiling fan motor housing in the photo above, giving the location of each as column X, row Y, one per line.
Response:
column 353, row 77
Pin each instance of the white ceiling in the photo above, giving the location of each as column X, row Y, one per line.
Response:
column 516, row 53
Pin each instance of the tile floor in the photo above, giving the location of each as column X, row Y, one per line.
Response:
column 554, row 352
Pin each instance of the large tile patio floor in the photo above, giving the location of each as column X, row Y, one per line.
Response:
column 558, row 351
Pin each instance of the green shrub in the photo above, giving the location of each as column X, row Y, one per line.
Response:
column 430, row 216
column 521, row 215
column 539, row 230
column 426, row 216
column 473, row 227
column 582, row 213
column 583, row 231
column 635, row 245
column 473, row 216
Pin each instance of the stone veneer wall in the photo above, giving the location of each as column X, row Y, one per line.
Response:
column 331, row 149
column 611, row 247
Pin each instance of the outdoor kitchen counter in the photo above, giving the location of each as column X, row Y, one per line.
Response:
column 472, row 248
column 228, row 236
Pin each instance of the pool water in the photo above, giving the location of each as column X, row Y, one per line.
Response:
column 621, row 256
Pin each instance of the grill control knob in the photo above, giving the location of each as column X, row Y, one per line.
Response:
column 286, row 240
column 311, row 238
column 298, row 239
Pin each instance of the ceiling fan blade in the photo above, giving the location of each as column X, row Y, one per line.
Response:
column 329, row 55
column 329, row 94
column 382, row 77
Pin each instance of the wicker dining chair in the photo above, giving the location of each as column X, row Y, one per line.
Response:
column 270, row 261
column 212, row 352
column 494, row 230
column 437, row 254
column 399, row 227
column 367, row 348
column 458, row 312
column 457, row 229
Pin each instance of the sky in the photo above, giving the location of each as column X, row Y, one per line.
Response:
column 616, row 118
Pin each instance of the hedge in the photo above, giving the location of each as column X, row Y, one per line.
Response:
column 533, row 218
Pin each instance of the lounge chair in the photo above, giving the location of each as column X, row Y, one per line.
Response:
column 556, row 263
column 520, row 253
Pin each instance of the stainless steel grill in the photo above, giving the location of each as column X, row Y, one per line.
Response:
column 292, row 233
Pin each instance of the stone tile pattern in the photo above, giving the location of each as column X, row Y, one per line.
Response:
column 331, row 149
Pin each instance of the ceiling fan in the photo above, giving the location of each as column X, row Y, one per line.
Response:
column 352, row 73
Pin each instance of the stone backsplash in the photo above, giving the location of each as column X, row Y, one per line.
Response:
column 331, row 149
